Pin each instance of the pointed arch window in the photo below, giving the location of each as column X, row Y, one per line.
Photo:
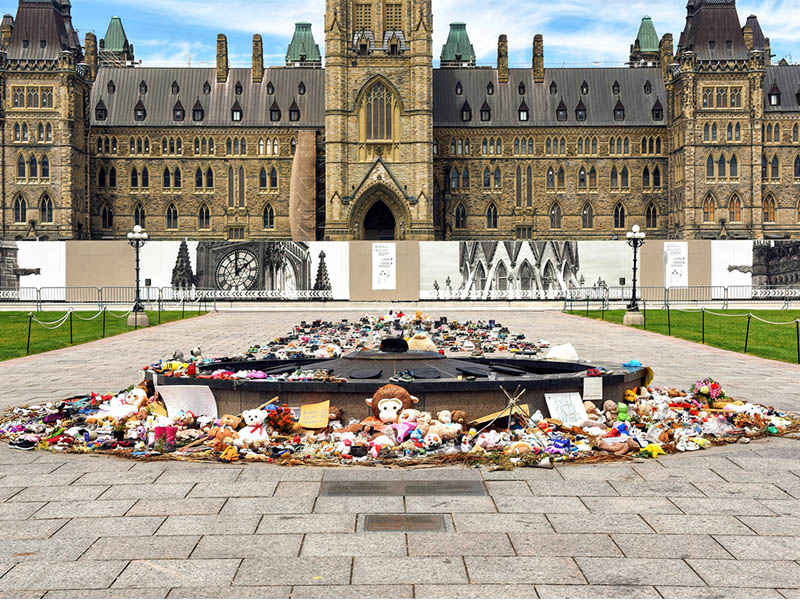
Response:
column 33, row 168
column 769, row 209
column 454, row 179
column 614, row 178
column 134, row 178
column 176, row 178
column 773, row 168
column 459, row 88
column 713, row 132
column 763, row 166
column 210, row 179
column 111, row 87
column 268, row 217
column 555, row 216
column 16, row 132
column 619, row 216
column 262, row 178
column 795, row 133
column 24, row 132
column 101, row 178
column 106, row 217
column 737, row 132
column 301, row 89
column 647, row 87
column 587, row 216
column 735, row 209
column 592, row 178
column 20, row 210
column 452, row 146
column 486, row 112
column 112, row 174
column 518, row 187
column 584, row 88
column 721, row 167
column 796, row 167
column 238, row 88
column 646, row 178
column 615, row 88
column 294, row 112
column 582, row 178
column 498, row 182
column 273, row 178
column 553, row 88
column 175, row 88
column 40, row 133
column 230, row 187
column 561, row 178
column 461, row 216
column 529, row 187
column 526, row 278
column 709, row 210
column 465, row 178
column 241, row 186
column 709, row 168
column 270, row 89
column 521, row 88
column 551, row 178
column 145, row 178
column 166, row 178
column 656, row 177
column 623, row 177
column 172, row 217
column 501, row 277
column 204, row 217
column 490, row 88
column 651, row 216
column 379, row 104
column 139, row 216
column 491, row 216
column 487, row 178
column 198, row 178
column 619, row 111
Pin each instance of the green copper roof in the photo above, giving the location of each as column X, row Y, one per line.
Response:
column 647, row 36
column 303, row 45
column 458, row 47
column 115, row 38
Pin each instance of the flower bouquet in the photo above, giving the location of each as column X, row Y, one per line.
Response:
column 707, row 391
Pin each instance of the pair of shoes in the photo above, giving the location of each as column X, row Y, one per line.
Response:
column 402, row 377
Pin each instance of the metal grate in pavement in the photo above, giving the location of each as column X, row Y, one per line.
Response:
column 403, row 488
column 404, row 523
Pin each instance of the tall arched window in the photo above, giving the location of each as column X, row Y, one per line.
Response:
column 656, row 177
column 139, row 216
column 721, row 166
column 555, row 216
column 646, row 178
column 623, row 178
column 20, row 210
column 134, row 178
column 735, row 209
column 479, row 282
column 518, row 187
column 501, row 277
column 497, row 178
column 204, row 217
column 551, row 178
column 491, row 216
column 273, row 178
column 230, row 187
column 733, row 167
column 112, row 177
column 101, row 178
column 561, row 177
column 526, row 279
column 172, row 217
column 268, row 217
column 773, row 168
column 241, row 186
column 529, row 187
column 619, row 216
column 461, row 216
column 465, row 178
column 106, row 217
column 487, row 178
column 176, row 177
column 582, row 178
column 614, row 178
column 709, row 210
column 378, row 112
column 587, row 216
column 145, row 178
column 592, row 178
column 651, row 216
column 769, row 209
column 262, row 178
column 33, row 167
column 209, row 178
column 454, row 179
column 45, row 209
column 709, row 168
column 198, row 178
column 166, row 177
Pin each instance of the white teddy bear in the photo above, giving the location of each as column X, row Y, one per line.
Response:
column 254, row 434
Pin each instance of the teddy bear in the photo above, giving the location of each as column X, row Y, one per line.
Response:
column 443, row 427
column 420, row 418
column 459, row 417
column 225, row 433
column 420, row 342
column 611, row 411
column 389, row 401
column 254, row 434
column 335, row 417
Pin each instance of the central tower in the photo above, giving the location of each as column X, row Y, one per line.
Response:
column 378, row 119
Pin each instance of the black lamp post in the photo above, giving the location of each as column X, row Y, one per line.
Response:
column 137, row 239
column 635, row 240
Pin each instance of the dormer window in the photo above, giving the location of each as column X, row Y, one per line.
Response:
column 198, row 114
column 238, row 88
column 236, row 112
column 561, row 112
column 274, row 112
column 111, row 87
column 584, row 88
column 142, row 88
column 459, row 89
column 42, row 43
column 394, row 49
column 466, row 112
column 486, row 112
column 301, row 89
column 100, row 111
column 294, row 112
column 728, row 44
column 270, row 88
column 619, row 112
column 490, row 89
column 178, row 114
column 774, row 96
column 362, row 48
column 175, row 88
column 521, row 88
column 658, row 112
column 615, row 88
column 139, row 112
column 25, row 43
column 647, row 87
column 206, row 88
column 523, row 111
column 580, row 111
column 711, row 44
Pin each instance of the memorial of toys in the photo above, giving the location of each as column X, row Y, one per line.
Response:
column 394, row 390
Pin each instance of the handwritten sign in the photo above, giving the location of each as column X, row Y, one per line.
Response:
column 384, row 267
column 592, row 388
column 315, row 416
column 197, row 399
column 566, row 407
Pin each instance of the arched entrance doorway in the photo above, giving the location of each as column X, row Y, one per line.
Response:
column 379, row 222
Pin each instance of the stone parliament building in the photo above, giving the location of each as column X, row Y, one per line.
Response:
column 694, row 140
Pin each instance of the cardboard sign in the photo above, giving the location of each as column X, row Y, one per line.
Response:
column 567, row 408
column 384, row 266
column 522, row 410
column 197, row 399
column 592, row 388
column 315, row 416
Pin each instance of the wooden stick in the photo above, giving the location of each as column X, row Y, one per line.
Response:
column 268, row 402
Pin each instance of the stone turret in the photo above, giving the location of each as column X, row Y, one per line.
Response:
column 6, row 29
column 502, row 59
column 538, row 58
column 222, row 58
column 303, row 51
column 258, row 59
column 645, row 48
column 457, row 50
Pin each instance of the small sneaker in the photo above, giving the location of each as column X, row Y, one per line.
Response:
column 22, row 445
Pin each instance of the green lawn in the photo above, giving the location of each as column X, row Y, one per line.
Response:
column 778, row 342
column 14, row 329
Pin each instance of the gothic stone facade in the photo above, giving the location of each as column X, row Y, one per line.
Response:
column 698, row 140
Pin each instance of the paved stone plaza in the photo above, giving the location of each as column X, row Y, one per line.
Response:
column 714, row 523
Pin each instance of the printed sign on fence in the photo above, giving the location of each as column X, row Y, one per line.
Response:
column 384, row 266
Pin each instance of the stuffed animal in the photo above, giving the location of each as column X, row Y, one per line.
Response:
column 225, row 433
column 254, row 434
column 622, row 412
column 459, row 417
column 432, row 440
column 389, row 401
column 420, row 342
column 335, row 417
column 610, row 408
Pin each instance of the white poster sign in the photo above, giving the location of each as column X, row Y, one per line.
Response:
column 197, row 399
column 592, row 388
column 676, row 264
column 384, row 266
column 567, row 407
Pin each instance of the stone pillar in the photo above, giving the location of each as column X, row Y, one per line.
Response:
column 6, row 29
column 222, row 58
column 538, row 58
column 91, row 54
column 666, row 54
column 502, row 59
column 258, row 59
column 747, row 32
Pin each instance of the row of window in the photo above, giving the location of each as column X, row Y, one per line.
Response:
column 772, row 133
column 45, row 210
column 198, row 112
column 33, row 168
column 32, row 97
column 722, row 168
column 171, row 216
column 733, row 132
column 172, row 179
column 768, row 209
column 203, row 146
column 43, row 133
column 556, row 216
column 721, row 97
column 556, row 145
column 175, row 88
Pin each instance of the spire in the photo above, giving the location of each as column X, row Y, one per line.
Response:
column 322, row 282
column 647, row 36
column 182, row 274
column 115, row 39
column 457, row 50
column 303, row 50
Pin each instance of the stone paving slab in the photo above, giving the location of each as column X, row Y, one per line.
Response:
column 331, row 570
column 109, row 526
column 637, row 571
column 361, row 544
column 475, row 590
column 428, row 569
column 62, row 575
column 207, row 524
column 596, row 591
column 247, row 546
column 109, row 593
column 341, row 523
column 465, row 544
column 564, row 544
column 687, row 545
column 21, row 530
column 142, row 547
column 239, row 591
column 760, row 547
column 84, row 508
column 540, row 504
column 353, row 591
column 43, row 549
column 747, row 573
column 165, row 491
column 717, row 592
column 177, row 573
column 58, row 493
column 535, row 570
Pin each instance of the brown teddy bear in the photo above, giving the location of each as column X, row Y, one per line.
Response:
column 225, row 433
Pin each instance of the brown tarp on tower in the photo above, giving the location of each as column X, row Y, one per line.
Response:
column 303, row 188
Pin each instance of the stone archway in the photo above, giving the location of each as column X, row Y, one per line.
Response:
column 379, row 222
column 379, row 215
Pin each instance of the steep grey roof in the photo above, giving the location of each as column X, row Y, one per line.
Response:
column 710, row 25
column 506, row 100
column 37, row 21
column 217, row 105
column 787, row 79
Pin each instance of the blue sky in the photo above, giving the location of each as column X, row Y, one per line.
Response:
column 576, row 33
